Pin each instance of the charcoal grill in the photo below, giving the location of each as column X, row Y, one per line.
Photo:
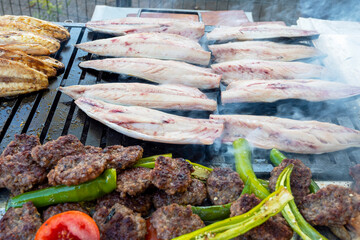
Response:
column 50, row 114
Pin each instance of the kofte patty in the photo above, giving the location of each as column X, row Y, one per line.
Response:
column 76, row 169
column 171, row 174
column 62, row 207
column 133, row 181
column 20, row 223
column 224, row 186
column 123, row 157
column 194, row 195
column 50, row 153
column 92, row 149
column 175, row 220
column 332, row 205
column 21, row 143
column 119, row 222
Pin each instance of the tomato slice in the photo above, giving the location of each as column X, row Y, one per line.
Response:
column 72, row 225
column 151, row 231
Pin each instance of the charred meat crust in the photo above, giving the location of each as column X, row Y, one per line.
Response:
column 332, row 205
column 20, row 223
column 119, row 222
column 224, row 186
column 194, row 195
column 60, row 208
column 174, row 220
column 171, row 174
column 133, row 181
column 123, row 157
column 21, row 143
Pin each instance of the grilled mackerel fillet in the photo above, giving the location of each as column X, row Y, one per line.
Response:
column 152, row 125
column 259, row 69
column 273, row 90
column 17, row 78
column 307, row 137
column 150, row 45
column 160, row 71
column 31, row 49
column 123, row 26
column 34, row 25
column 258, row 32
column 51, row 61
column 18, row 37
column 145, row 95
column 262, row 50
column 29, row 61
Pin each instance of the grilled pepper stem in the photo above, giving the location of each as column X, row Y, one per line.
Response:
column 276, row 158
column 88, row 191
column 235, row 226
column 242, row 153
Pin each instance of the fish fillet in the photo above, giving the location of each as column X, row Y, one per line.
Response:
column 273, row 90
column 51, row 61
column 258, row 32
column 29, row 61
column 262, row 50
column 160, row 71
column 31, row 49
column 145, row 95
column 307, row 137
column 152, row 125
column 123, row 26
column 259, row 69
column 150, row 45
column 18, row 37
column 17, row 78
column 34, row 25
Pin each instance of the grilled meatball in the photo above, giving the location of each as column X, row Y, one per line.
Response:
column 224, row 186
column 355, row 173
column 19, row 172
column 274, row 228
column 76, row 169
column 171, row 174
column 133, row 181
column 174, row 220
column 299, row 181
column 63, row 207
column 195, row 194
column 141, row 203
column 21, row 143
column 50, row 153
column 119, row 222
column 332, row 205
column 20, row 223
column 123, row 157
column 92, row 149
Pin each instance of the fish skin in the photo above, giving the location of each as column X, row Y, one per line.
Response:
column 31, row 49
column 18, row 37
column 34, row 25
column 306, row 137
column 260, row 69
column 264, row 31
column 152, row 125
column 52, row 62
column 159, row 71
column 29, row 61
column 273, row 90
column 262, row 50
column 145, row 95
column 149, row 45
column 123, row 26
column 17, row 78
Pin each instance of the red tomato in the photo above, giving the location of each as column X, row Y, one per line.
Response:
column 72, row 225
column 151, row 231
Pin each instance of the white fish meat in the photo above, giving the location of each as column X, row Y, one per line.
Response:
column 152, row 125
column 273, row 90
column 150, row 45
column 307, row 137
column 123, row 26
column 262, row 50
column 260, row 69
column 159, row 71
column 145, row 95
column 264, row 31
column 28, row 48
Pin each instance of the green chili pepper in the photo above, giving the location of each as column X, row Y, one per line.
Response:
column 87, row 191
column 292, row 214
column 242, row 153
column 150, row 159
column 276, row 157
column 235, row 226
